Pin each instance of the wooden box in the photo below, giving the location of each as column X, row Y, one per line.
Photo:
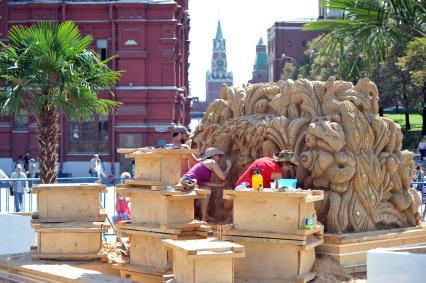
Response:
column 147, row 252
column 204, row 261
column 68, row 202
column 158, row 166
column 277, row 212
column 163, row 208
column 275, row 259
column 350, row 249
column 72, row 240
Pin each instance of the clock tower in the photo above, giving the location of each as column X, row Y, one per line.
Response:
column 218, row 75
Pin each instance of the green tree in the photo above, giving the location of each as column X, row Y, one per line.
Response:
column 369, row 29
column 414, row 62
column 289, row 71
column 49, row 70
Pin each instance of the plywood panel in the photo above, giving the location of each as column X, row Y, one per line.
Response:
column 147, row 207
column 149, row 251
column 148, row 168
column 71, row 204
column 179, row 211
column 270, row 260
column 183, row 267
column 214, row 271
column 69, row 243
column 171, row 169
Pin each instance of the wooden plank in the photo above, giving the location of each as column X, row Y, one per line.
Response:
column 102, row 218
column 141, row 269
column 69, row 186
column 302, row 235
column 264, row 240
column 61, row 256
column 148, row 227
column 305, row 277
column 71, row 225
column 210, row 244
column 302, row 194
column 148, row 251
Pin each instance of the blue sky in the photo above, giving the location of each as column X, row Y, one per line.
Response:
column 243, row 23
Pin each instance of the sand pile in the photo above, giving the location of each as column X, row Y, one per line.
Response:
column 116, row 252
column 329, row 271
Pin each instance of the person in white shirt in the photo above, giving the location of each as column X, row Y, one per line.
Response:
column 19, row 187
column 422, row 149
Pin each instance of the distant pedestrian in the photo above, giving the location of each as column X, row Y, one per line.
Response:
column 32, row 170
column 96, row 168
column 422, row 149
column 19, row 187
column 26, row 161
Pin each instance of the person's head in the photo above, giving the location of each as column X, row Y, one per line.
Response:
column 32, row 160
column 284, row 157
column 212, row 153
column 418, row 167
column 27, row 154
column 180, row 134
column 18, row 168
column 96, row 156
column 125, row 176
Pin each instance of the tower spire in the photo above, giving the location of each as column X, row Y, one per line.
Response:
column 218, row 31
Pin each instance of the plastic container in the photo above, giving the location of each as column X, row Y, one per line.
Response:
column 288, row 183
column 257, row 180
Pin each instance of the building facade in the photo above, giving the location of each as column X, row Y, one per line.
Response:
column 218, row 75
column 287, row 42
column 150, row 39
column 260, row 67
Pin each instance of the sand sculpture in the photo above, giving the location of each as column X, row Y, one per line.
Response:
column 342, row 145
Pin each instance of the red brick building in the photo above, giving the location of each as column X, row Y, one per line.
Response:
column 286, row 43
column 150, row 39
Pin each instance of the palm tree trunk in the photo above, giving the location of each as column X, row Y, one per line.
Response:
column 47, row 124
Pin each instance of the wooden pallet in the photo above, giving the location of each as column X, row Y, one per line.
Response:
column 350, row 249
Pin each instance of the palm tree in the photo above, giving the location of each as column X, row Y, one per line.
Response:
column 49, row 70
column 370, row 30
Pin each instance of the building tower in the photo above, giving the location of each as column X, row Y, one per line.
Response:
column 260, row 68
column 218, row 75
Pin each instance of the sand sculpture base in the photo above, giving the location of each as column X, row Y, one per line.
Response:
column 350, row 249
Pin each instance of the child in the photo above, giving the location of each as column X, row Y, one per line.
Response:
column 122, row 209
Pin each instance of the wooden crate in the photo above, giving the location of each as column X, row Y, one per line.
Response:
column 69, row 202
column 147, row 251
column 73, row 240
column 275, row 259
column 204, row 261
column 158, row 166
column 350, row 249
column 277, row 212
column 167, row 208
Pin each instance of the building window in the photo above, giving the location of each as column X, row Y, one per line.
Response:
column 101, row 45
column 304, row 43
column 89, row 136
column 20, row 120
column 288, row 43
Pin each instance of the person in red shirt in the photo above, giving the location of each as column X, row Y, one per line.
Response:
column 279, row 166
